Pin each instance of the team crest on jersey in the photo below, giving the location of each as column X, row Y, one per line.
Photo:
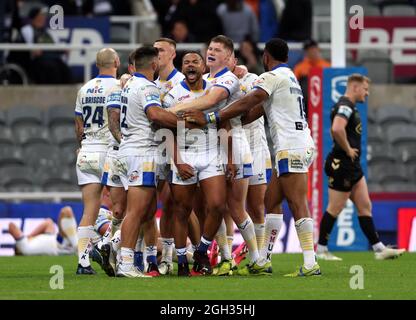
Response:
column 134, row 176
column 151, row 96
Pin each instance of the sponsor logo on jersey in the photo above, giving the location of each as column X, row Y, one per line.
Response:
column 95, row 90
column 134, row 176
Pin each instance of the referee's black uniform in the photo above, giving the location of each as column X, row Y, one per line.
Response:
column 343, row 173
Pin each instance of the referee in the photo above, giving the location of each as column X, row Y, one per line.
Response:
column 345, row 176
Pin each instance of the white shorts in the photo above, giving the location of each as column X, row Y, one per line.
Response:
column 90, row 166
column 262, row 168
column 294, row 160
column 242, row 157
column 205, row 166
column 111, row 175
column 43, row 244
column 138, row 171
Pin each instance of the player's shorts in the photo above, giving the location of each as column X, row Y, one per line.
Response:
column 242, row 157
column 342, row 173
column 138, row 171
column 205, row 167
column 262, row 168
column 111, row 176
column 294, row 160
column 90, row 166
column 43, row 244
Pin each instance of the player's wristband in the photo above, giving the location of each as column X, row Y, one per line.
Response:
column 213, row 117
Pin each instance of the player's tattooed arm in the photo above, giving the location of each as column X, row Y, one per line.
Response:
column 253, row 114
column 114, row 123
column 79, row 128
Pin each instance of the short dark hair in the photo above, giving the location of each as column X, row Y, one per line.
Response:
column 194, row 52
column 131, row 57
column 143, row 56
column 309, row 44
column 168, row 40
column 278, row 49
column 227, row 42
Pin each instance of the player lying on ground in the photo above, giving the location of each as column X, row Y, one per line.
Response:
column 43, row 239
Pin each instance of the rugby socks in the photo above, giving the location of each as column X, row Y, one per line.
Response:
column 151, row 252
column 115, row 225
column 69, row 227
column 327, row 223
column 249, row 235
column 126, row 259
column 85, row 234
column 259, row 230
column 167, row 249
column 273, row 223
column 230, row 240
column 138, row 252
column 221, row 238
column 106, row 237
column 367, row 225
column 304, row 229
column 181, row 253
column 203, row 245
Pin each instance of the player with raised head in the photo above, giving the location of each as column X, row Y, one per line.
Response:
column 93, row 135
column 278, row 95
column 141, row 105
column 168, row 77
column 197, row 160
column 225, row 90
column 345, row 176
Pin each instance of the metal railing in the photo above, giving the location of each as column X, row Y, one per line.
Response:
column 55, row 197
column 183, row 46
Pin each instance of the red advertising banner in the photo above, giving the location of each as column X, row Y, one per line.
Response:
column 315, row 83
column 405, row 219
column 396, row 30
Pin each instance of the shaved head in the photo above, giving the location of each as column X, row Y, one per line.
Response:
column 107, row 58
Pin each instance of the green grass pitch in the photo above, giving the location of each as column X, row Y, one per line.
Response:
column 29, row 277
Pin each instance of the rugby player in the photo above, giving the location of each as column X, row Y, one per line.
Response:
column 42, row 240
column 226, row 89
column 262, row 166
column 197, row 160
column 168, row 77
column 345, row 176
column 278, row 95
column 140, row 105
column 91, row 126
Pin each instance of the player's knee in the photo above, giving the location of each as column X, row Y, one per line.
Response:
column 66, row 212
column 218, row 209
column 118, row 210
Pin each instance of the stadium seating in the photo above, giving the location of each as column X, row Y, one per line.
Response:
column 391, row 149
column 42, row 144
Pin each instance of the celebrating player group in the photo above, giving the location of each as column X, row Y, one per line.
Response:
column 195, row 142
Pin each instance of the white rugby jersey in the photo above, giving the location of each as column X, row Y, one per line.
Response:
column 228, row 80
column 285, row 109
column 172, row 80
column 114, row 101
column 182, row 93
column 255, row 132
column 90, row 104
column 138, row 136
